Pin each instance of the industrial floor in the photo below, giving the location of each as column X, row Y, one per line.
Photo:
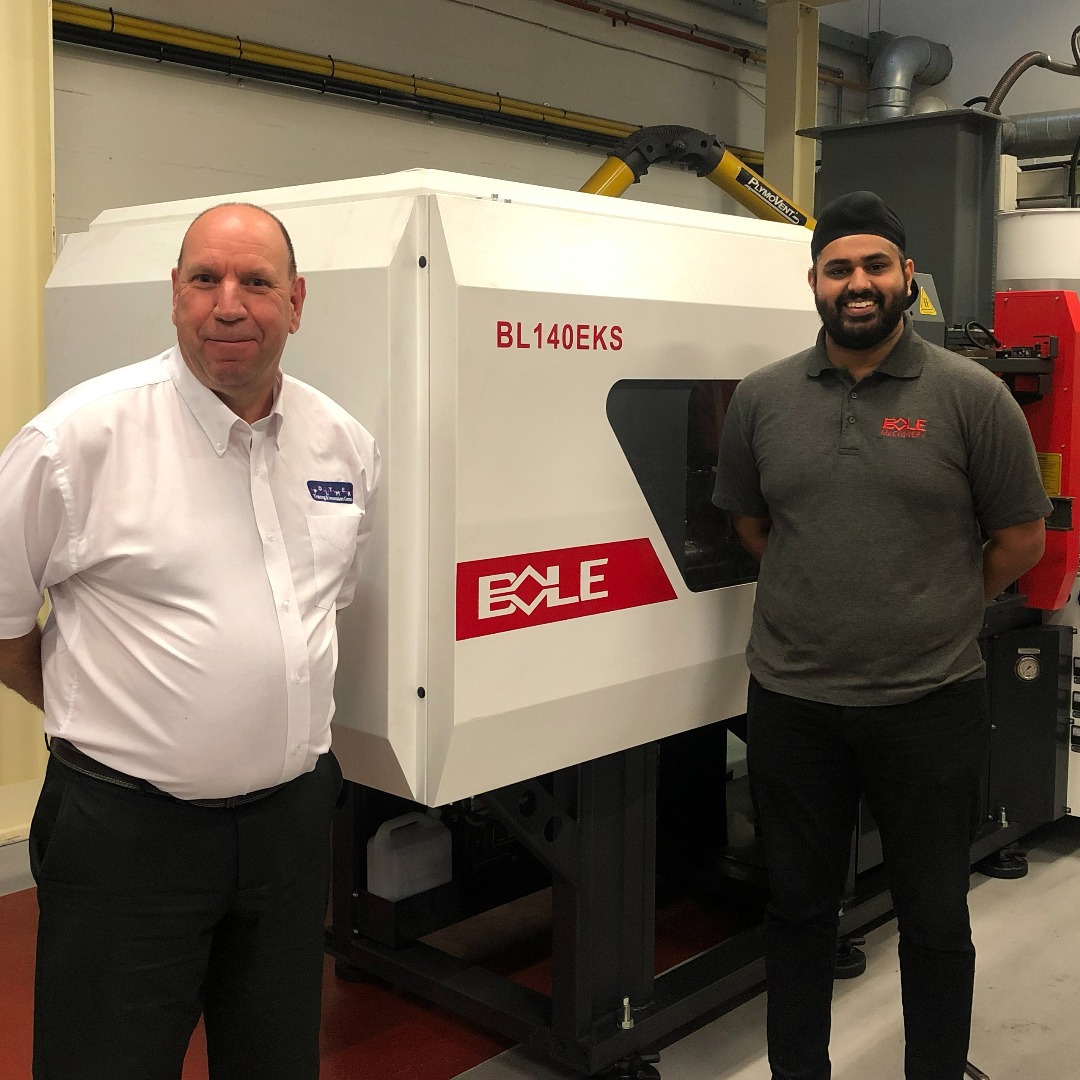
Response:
column 1026, row 1009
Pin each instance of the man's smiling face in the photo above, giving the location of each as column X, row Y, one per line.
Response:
column 235, row 303
column 861, row 284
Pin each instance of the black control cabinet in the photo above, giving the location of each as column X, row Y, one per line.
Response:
column 1028, row 679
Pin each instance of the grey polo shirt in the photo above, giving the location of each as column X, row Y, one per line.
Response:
column 870, row 590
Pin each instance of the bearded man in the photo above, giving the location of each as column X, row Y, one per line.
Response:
column 889, row 489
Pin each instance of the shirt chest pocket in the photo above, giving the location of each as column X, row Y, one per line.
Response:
column 333, row 547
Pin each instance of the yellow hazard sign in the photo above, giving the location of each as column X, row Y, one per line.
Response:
column 926, row 305
column 1050, row 467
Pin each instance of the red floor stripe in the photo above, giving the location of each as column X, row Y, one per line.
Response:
column 18, row 929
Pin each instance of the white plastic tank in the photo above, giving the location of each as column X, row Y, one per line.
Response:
column 1037, row 249
column 408, row 855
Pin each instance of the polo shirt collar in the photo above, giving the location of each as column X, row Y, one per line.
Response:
column 212, row 414
column 904, row 361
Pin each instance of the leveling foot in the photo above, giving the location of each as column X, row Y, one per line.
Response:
column 850, row 959
column 635, row 1067
column 1009, row 863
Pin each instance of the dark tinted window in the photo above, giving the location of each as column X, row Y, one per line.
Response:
column 669, row 431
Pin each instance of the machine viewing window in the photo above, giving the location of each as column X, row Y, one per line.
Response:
column 669, row 430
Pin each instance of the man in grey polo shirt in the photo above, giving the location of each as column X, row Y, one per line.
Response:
column 864, row 474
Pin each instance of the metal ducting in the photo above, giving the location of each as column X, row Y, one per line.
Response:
column 1041, row 134
column 903, row 61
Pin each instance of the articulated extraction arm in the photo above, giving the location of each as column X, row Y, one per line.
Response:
column 631, row 158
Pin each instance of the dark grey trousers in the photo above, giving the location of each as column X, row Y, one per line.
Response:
column 920, row 767
column 153, row 911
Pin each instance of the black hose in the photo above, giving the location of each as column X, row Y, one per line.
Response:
column 1030, row 60
column 1008, row 80
column 986, row 335
column 1060, row 68
column 975, row 101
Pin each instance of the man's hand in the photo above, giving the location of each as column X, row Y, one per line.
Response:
column 753, row 532
column 20, row 666
column 1009, row 553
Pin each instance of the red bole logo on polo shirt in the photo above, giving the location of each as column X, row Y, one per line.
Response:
column 897, row 427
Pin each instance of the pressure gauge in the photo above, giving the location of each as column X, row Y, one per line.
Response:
column 1027, row 668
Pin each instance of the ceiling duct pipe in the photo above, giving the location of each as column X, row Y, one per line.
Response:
column 1040, row 134
column 903, row 61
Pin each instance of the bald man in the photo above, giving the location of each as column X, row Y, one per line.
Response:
column 197, row 520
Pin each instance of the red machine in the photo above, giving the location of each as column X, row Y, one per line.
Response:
column 1040, row 338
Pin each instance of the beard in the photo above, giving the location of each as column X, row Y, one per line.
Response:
column 868, row 330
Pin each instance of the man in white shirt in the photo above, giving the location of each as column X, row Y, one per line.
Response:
column 197, row 519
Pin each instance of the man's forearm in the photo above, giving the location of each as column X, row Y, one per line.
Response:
column 20, row 666
column 1009, row 554
column 753, row 533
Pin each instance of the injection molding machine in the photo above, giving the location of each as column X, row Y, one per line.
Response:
column 549, row 595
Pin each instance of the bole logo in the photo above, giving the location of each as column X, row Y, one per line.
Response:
column 897, row 427
column 511, row 592
column 501, row 594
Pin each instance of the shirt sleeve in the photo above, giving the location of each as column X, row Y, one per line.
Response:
column 1003, row 469
column 370, row 486
column 738, row 482
column 35, row 537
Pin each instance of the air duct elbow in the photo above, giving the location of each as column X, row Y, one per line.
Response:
column 904, row 61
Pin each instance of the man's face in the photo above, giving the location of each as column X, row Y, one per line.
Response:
column 234, row 304
column 861, row 289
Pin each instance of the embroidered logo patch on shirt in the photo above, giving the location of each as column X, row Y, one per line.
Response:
column 335, row 491
column 899, row 427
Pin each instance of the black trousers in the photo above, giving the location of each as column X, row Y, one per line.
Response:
column 153, row 911
column 919, row 766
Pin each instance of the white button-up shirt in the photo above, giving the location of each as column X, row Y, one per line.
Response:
column 195, row 564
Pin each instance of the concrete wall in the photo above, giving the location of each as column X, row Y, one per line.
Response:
column 130, row 131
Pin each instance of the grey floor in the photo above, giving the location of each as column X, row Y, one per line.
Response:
column 1027, row 995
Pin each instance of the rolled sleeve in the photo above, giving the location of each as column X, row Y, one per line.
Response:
column 1003, row 468
column 35, row 540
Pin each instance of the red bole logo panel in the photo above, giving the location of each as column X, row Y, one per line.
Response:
column 513, row 591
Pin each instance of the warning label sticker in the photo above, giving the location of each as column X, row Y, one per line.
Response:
column 926, row 306
column 1050, row 467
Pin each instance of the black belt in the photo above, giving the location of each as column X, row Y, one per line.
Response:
column 75, row 759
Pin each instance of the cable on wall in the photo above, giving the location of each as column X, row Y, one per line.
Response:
column 110, row 30
column 697, row 35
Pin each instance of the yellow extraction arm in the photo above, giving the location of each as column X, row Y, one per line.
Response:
column 630, row 160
